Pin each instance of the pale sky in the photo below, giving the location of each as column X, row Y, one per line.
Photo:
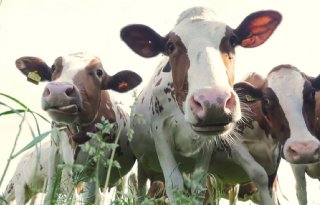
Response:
column 48, row 29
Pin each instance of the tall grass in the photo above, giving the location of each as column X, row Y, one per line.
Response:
column 21, row 111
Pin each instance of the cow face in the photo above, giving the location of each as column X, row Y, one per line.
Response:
column 73, row 94
column 314, row 107
column 288, row 103
column 201, row 53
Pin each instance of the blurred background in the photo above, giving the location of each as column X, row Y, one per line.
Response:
column 51, row 28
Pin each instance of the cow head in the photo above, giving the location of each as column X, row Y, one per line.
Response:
column 201, row 53
column 288, row 103
column 73, row 94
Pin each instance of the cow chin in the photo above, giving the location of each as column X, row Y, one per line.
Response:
column 214, row 129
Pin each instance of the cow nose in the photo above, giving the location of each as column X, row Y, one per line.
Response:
column 215, row 102
column 59, row 89
column 307, row 152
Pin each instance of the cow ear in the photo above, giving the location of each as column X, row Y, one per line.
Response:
column 256, row 28
column 122, row 81
column 247, row 92
column 34, row 68
column 143, row 40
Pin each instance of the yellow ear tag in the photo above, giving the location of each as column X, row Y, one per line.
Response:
column 123, row 85
column 34, row 77
column 250, row 98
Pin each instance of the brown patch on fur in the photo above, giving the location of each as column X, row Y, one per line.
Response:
column 228, row 54
column 317, row 115
column 180, row 64
column 58, row 67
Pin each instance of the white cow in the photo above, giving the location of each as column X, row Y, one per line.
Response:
column 189, row 102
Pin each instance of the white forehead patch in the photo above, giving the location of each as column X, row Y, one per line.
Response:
column 201, row 34
column 288, row 86
column 196, row 13
column 72, row 64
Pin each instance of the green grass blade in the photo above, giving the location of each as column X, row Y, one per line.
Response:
column 35, row 141
column 15, row 100
column 13, row 148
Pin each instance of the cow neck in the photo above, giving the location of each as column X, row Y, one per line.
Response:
column 80, row 135
column 80, row 130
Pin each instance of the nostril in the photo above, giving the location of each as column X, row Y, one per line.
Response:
column 195, row 105
column 69, row 91
column 46, row 92
column 230, row 103
column 292, row 151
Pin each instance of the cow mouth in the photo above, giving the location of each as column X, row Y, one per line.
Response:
column 68, row 109
column 213, row 129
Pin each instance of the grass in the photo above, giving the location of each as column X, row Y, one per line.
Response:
column 127, row 195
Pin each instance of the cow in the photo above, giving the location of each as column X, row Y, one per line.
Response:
column 189, row 103
column 264, row 133
column 76, row 98
column 312, row 170
column 30, row 176
column 287, row 118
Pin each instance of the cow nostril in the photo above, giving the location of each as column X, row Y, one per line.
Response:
column 46, row 92
column 196, row 105
column 292, row 151
column 230, row 103
column 69, row 91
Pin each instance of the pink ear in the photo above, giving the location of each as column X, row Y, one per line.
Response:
column 256, row 28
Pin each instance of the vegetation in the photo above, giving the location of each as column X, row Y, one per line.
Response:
column 126, row 195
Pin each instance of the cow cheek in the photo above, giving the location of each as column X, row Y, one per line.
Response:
column 90, row 100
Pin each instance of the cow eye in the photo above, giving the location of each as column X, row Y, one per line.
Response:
column 99, row 73
column 170, row 47
column 234, row 41
column 313, row 93
column 310, row 96
column 53, row 68
column 266, row 101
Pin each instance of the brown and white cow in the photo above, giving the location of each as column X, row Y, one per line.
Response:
column 286, row 116
column 312, row 170
column 77, row 98
column 190, row 100
column 29, row 177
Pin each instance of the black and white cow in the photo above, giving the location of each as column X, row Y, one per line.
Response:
column 76, row 98
column 190, row 100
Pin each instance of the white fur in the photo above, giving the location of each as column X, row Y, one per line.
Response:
column 31, row 172
column 288, row 85
column 72, row 64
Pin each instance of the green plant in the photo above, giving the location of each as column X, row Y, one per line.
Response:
column 21, row 112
